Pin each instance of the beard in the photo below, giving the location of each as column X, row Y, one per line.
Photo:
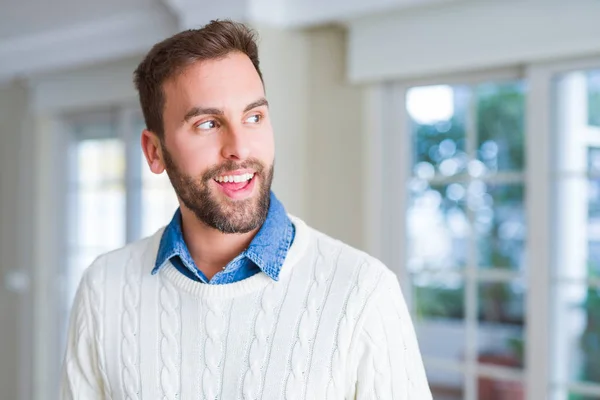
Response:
column 219, row 211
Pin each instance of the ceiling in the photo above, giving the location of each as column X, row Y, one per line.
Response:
column 27, row 17
column 38, row 36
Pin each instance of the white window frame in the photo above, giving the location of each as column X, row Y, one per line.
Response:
column 540, row 151
column 388, row 149
column 54, row 228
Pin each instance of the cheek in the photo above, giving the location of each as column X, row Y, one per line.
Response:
column 265, row 149
column 192, row 158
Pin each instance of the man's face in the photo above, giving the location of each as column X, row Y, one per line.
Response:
column 218, row 146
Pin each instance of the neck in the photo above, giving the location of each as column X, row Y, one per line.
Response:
column 210, row 248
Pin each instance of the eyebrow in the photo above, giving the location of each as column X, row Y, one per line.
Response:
column 196, row 111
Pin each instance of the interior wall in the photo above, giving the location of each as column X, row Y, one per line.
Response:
column 335, row 158
column 15, row 197
column 283, row 60
column 317, row 118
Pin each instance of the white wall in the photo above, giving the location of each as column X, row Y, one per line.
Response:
column 283, row 58
column 16, row 243
column 335, row 156
column 317, row 118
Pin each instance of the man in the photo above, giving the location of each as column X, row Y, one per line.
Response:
column 234, row 299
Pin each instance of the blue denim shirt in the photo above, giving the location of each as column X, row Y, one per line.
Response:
column 265, row 253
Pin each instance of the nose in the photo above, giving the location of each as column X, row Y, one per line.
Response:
column 235, row 145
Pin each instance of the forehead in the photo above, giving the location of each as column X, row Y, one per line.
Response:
column 223, row 83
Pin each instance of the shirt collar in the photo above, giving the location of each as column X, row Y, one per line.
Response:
column 270, row 245
column 267, row 250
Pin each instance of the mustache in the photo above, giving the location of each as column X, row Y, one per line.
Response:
column 230, row 165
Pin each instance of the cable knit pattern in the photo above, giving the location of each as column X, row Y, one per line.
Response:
column 215, row 322
column 97, row 310
column 244, row 379
column 170, row 340
column 333, row 326
column 130, row 328
column 380, row 365
column 308, row 324
column 82, row 327
column 355, row 302
column 264, row 328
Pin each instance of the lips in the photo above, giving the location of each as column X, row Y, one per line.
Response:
column 237, row 185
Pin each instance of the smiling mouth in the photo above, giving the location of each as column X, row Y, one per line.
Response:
column 241, row 178
column 237, row 186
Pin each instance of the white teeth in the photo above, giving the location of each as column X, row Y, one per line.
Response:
column 234, row 178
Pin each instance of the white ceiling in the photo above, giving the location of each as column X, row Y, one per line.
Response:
column 26, row 17
column 39, row 36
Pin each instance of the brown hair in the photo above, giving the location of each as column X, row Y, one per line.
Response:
column 171, row 56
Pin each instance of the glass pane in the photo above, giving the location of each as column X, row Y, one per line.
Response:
column 494, row 389
column 500, row 125
column 438, row 119
column 78, row 261
column 100, row 162
column 593, row 81
column 589, row 392
column 101, row 218
column 159, row 201
column 438, row 227
column 576, row 328
column 150, row 179
column 158, row 207
column 444, row 384
column 97, row 202
column 579, row 396
column 438, row 303
column 593, row 157
column 501, row 324
column 576, row 250
column 593, row 228
column 499, row 223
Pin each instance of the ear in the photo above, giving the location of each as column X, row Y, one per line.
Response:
column 152, row 151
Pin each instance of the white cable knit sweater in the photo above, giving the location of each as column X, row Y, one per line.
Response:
column 335, row 326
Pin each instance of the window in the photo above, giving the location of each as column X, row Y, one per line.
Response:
column 497, row 198
column 575, row 274
column 113, row 198
column 466, row 231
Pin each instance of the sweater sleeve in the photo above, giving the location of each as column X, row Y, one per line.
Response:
column 388, row 360
column 80, row 378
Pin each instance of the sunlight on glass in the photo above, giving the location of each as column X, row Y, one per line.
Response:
column 430, row 104
column 476, row 168
column 424, row 170
column 100, row 161
column 159, row 201
column 437, row 227
column 455, row 192
column 449, row 167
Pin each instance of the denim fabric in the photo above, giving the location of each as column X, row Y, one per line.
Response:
column 265, row 253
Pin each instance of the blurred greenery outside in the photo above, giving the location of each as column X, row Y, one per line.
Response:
column 500, row 123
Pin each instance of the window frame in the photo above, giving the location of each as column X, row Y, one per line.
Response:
column 388, row 146
column 62, row 171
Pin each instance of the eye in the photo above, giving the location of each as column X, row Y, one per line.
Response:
column 207, row 125
column 254, row 119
